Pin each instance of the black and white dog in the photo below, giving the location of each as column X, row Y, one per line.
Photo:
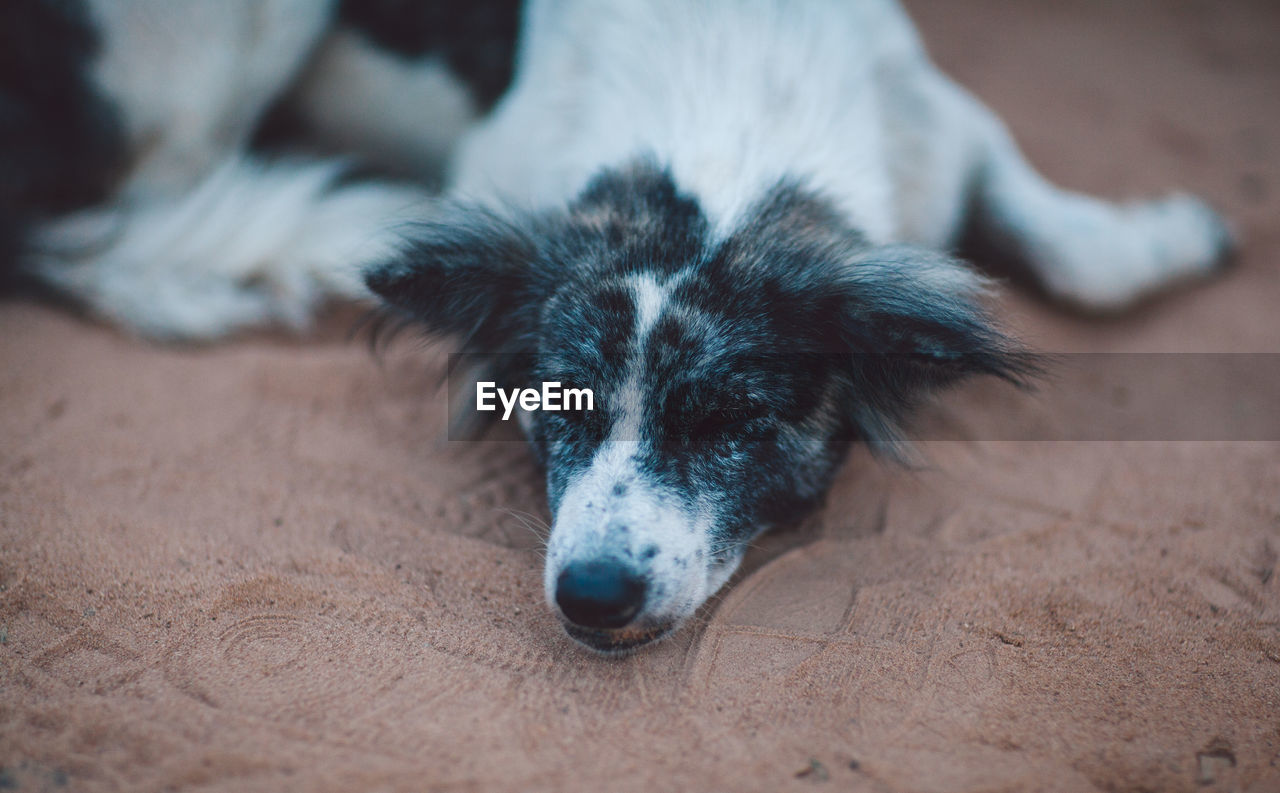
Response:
column 728, row 218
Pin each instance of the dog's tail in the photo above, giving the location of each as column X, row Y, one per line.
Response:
column 254, row 242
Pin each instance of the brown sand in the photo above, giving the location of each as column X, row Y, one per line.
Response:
column 255, row 566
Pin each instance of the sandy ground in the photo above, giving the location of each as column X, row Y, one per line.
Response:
column 256, row 566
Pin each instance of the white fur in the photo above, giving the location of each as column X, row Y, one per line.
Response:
column 190, row 78
column 734, row 94
column 404, row 115
column 250, row 244
column 650, row 296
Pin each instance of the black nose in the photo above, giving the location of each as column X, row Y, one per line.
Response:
column 599, row 594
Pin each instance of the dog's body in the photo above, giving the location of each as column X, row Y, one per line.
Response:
column 727, row 217
column 735, row 97
column 197, row 235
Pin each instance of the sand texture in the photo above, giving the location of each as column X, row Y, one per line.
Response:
column 257, row 566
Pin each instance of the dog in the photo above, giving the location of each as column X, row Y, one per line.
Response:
column 730, row 220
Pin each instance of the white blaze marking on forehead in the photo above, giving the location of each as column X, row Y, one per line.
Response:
column 650, row 296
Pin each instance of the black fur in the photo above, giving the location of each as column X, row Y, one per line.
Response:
column 61, row 145
column 495, row 281
column 775, row 347
column 477, row 39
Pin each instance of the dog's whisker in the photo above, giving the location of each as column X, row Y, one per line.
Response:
column 534, row 525
column 531, row 522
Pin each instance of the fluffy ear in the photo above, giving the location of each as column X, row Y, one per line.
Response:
column 468, row 272
column 914, row 321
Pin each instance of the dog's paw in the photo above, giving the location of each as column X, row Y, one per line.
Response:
column 1200, row 241
column 1158, row 244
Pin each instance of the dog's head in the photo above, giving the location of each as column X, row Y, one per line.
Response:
column 729, row 374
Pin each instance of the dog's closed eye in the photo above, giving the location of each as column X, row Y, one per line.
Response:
column 717, row 421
